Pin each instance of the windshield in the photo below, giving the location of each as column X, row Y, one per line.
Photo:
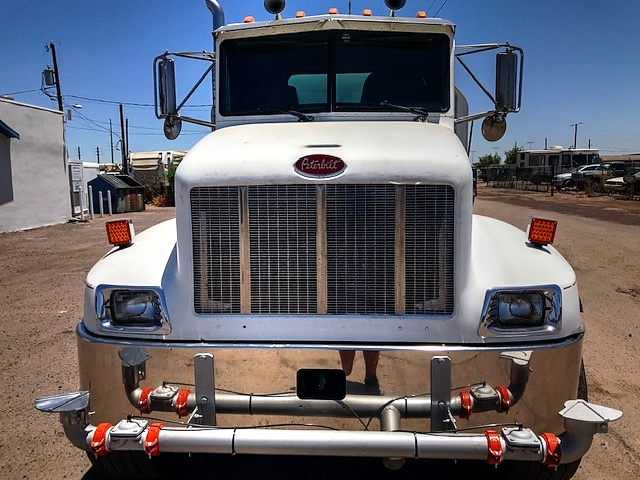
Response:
column 334, row 71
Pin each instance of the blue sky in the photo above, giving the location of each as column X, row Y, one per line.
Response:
column 582, row 62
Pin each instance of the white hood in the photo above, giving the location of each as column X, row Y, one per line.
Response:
column 396, row 152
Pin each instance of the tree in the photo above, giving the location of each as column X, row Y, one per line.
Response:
column 488, row 160
column 511, row 156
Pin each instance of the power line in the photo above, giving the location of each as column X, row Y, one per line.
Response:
column 21, row 92
column 158, row 133
column 441, row 6
column 129, row 104
column 110, row 102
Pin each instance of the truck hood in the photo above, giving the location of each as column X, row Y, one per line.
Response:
column 372, row 152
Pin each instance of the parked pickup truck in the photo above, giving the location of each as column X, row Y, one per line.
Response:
column 596, row 175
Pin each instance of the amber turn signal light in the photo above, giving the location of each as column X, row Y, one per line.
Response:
column 542, row 231
column 120, row 232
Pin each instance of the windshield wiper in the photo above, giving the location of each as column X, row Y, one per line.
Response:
column 302, row 117
column 421, row 113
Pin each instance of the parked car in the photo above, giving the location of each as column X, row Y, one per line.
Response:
column 619, row 184
column 598, row 174
column 595, row 172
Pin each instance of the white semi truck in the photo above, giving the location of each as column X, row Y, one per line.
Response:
column 330, row 212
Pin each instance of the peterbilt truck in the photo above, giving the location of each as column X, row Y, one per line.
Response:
column 325, row 288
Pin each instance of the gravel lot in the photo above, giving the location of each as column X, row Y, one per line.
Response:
column 41, row 283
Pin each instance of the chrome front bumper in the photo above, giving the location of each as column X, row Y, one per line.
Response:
column 434, row 398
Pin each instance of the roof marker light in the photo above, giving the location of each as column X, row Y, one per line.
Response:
column 542, row 231
column 367, row 12
column 333, row 11
column 120, row 233
column 300, row 14
column 421, row 14
column 249, row 19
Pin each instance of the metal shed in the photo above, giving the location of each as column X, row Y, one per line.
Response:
column 125, row 193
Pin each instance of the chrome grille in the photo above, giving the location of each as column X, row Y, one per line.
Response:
column 336, row 249
column 283, row 249
column 360, row 248
column 216, row 249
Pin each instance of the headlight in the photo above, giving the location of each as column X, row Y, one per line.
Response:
column 520, row 309
column 134, row 310
column 519, row 312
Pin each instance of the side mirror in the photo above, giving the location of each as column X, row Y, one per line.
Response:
column 166, row 88
column 506, row 76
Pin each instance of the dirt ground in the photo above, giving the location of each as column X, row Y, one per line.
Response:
column 42, row 274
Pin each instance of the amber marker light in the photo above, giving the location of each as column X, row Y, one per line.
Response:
column 249, row 19
column 367, row 12
column 333, row 11
column 421, row 14
column 120, row 232
column 300, row 14
column 542, row 231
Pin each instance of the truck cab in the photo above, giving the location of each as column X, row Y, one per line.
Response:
column 329, row 212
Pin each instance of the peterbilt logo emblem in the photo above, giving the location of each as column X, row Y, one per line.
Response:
column 319, row 165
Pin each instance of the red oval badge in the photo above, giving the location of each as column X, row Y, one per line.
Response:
column 319, row 165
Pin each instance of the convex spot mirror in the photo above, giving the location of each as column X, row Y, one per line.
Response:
column 494, row 127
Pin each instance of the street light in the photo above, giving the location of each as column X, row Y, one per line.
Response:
column 77, row 106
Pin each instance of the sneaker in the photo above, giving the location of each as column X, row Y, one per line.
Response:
column 372, row 386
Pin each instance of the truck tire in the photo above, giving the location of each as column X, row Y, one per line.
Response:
column 536, row 470
column 130, row 465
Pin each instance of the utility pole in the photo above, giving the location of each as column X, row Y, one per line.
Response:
column 79, row 157
column 575, row 134
column 123, row 150
column 52, row 47
column 98, row 153
column 111, row 137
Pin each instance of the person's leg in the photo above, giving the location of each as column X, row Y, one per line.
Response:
column 371, row 384
column 371, row 358
column 347, row 357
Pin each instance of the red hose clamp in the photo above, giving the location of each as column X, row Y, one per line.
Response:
column 181, row 402
column 151, row 446
column 554, row 453
column 466, row 404
column 494, row 446
column 143, row 402
column 99, row 440
column 505, row 399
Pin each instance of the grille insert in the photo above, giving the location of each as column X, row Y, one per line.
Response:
column 336, row 249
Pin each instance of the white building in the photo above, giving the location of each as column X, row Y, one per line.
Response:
column 34, row 184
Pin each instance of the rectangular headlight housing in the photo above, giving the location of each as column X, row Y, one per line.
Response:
column 131, row 310
column 521, row 311
column 135, row 308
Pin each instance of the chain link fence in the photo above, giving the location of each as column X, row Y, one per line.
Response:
column 542, row 179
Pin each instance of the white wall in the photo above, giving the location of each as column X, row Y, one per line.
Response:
column 34, row 183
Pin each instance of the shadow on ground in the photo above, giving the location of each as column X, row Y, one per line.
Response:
column 246, row 467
